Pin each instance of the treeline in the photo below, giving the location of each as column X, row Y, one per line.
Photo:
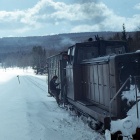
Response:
column 16, row 59
column 132, row 40
column 36, row 58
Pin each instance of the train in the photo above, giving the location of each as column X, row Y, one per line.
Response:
column 94, row 77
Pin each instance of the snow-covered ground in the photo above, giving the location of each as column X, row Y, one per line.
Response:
column 27, row 113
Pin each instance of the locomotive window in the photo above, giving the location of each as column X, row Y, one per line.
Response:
column 87, row 53
column 68, row 51
column 71, row 52
column 115, row 50
column 119, row 50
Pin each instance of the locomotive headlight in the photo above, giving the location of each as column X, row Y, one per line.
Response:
column 127, row 124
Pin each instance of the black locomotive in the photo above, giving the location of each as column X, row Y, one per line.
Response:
column 93, row 77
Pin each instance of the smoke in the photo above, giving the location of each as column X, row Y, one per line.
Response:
column 67, row 41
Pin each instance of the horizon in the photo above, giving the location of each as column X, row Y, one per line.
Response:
column 65, row 33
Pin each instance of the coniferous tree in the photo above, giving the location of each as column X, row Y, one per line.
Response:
column 124, row 36
column 39, row 58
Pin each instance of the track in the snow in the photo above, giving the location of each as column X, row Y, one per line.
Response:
column 37, row 84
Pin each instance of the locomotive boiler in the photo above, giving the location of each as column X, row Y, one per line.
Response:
column 94, row 75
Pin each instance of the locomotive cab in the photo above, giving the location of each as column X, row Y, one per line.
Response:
column 77, row 54
column 81, row 52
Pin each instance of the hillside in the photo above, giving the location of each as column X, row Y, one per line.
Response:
column 14, row 44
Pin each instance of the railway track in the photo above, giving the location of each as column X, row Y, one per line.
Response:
column 37, row 84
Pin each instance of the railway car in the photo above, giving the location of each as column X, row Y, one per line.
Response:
column 97, row 74
column 57, row 66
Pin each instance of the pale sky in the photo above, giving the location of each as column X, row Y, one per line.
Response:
column 47, row 17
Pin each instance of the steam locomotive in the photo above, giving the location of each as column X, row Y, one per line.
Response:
column 94, row 75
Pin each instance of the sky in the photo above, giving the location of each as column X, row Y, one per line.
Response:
column 48, row 17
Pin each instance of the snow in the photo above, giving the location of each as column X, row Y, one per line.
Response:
column 27, row 113
column 137, row 50
column 107, row 135
column 129, row 124
column 130, row 95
